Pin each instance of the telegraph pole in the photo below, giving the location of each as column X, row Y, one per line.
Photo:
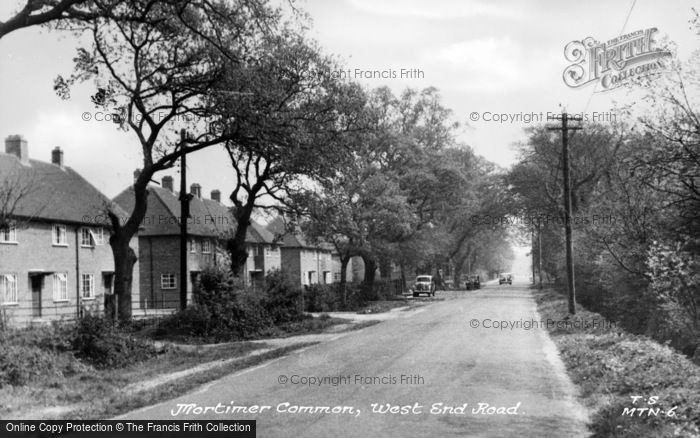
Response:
column 539, row 254
column 532, row 245
column 184, row 215
column 565, row 128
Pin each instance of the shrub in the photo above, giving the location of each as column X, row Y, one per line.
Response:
column 322, row 298
column 222, row 311
column 21, row 364
column 99, row 342
column 282, row 298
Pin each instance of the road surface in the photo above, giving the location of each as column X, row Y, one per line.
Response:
column 442, row 375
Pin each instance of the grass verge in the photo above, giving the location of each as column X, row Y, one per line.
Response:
column 611, row 366
column 92, row 393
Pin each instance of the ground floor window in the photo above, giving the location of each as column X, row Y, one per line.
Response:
column 167, row 281
column 8, row 289
column 87, row 286
column 60, row 287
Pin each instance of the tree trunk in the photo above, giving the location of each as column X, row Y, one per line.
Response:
column 236, row 245
column 370, row 272
column 342, row 287
column 124, row 256
column 237, row 250
column 124, row 261
column 457, row 277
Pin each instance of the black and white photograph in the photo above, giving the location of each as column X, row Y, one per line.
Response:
column 349, row 218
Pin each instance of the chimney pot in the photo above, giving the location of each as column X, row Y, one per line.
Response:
column 167, row 183
column 57, row 156
column 216, row 195
column 17, row 145
column 196, row 190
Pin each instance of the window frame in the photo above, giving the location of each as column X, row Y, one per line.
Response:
column 59, row 231
column 11, row 232
column 98, row 235
column 206, row 246
column 87, row 240
column 91, row 290
column 60, row 287
column 4, row 282
column 164, row 286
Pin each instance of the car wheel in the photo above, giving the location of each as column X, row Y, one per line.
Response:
column 415, row 295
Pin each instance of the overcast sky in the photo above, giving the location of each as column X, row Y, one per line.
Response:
column 484, row 56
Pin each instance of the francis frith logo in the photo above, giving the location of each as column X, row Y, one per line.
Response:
column 615, row 62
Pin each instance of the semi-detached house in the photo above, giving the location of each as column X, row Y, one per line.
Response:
column 210, row 222
column 55, row 259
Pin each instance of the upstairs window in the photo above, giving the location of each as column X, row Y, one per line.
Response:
column 8, row 234
column 206, row 246
column 59, row 235
column 86, row 239
column 98, row 235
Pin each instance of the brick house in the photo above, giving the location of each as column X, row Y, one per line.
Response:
column 310, row 263
column 210, row 221
column 55, row 258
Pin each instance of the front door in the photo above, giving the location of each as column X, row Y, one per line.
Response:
column 37, row 283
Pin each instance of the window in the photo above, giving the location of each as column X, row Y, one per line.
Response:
column 193, row 246
column 206, row 246
column 86, row 239
column 271, row 250
column 8, row 234
column 98, row 235
column 89, row 237
column 8, row 289
column 59, row 235
column 87, row 286
column 167, row 281
column 60, row 287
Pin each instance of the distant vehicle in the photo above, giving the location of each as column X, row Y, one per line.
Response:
column 473, row 282
column 425, row 284
column 505, row 278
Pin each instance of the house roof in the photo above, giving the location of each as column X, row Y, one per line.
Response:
column 278, row 228
column 208, row 218
column 53, row 193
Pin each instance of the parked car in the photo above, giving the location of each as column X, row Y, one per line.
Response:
column 425, row 284
column 505, row 278
column 473, row 282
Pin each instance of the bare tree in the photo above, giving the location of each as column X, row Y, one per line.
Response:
column 14, row 188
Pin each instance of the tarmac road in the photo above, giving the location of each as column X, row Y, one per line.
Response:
column 498, row 383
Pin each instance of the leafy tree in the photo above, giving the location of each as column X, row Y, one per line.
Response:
column 156, row 73
column 284, row 126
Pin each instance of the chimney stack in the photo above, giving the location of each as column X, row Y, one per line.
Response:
column 17, row 146
column 137, row 174
column 167, row 183
column 216, row 196
column 57, row 156
column 196, row 190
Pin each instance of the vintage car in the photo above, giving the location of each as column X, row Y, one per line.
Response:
column 425, row 284
column 472, row 282
column 505, row 278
